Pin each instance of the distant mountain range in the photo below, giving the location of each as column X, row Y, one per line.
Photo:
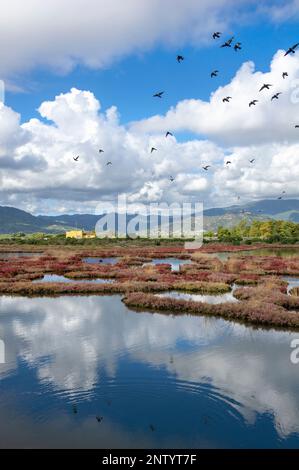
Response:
column 14, row 220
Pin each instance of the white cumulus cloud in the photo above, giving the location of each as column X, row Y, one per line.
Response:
column 38, row 173
column 61, row 34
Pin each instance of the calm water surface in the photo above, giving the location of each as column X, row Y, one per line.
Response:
column 58, row 278
column 157, row 380
column 96, row 260
column 13, row 254
column 290, row 252
column 174, row 262
column 210, row 299
column 292, row 282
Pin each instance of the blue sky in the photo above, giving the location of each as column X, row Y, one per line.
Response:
column 130, row 82
column 86, row 81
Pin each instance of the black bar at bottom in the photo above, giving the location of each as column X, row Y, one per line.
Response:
column 137, row 458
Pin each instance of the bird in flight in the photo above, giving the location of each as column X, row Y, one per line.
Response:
column 237, row 46
column 279, row 197
column 265, row 86
column 179, row 58
column 226, row 99
column 228, row 162
column 284, row 75
column 108, row 163
column 168, row 133
column 76, row 158
column 101, row 150
column 99, row 418
column 171, row 178
column 228, row 42
column 158, row 95
column 153, row 149
column 275, row 97
column 297, row 126
column 216, row 35
column 206, row 167
column 252, row 160
column 253, row 103
column 292, row 50
column 214, row 73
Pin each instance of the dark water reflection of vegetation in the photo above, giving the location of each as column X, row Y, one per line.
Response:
column 18, row 254
column 281, row 252
column 157, row 380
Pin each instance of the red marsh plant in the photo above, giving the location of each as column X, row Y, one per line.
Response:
column 202, row 287
column 60, row 288
column 266, row 314
column 205, row 275
column 203, row 261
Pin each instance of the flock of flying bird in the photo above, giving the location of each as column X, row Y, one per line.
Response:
column 266, row 86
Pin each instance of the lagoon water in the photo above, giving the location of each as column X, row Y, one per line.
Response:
column 175, row 263
column 96, row 260
column 18, row 254
column 292, row 282
column 210, row 299
column 59, row 278
column 157, row 380
column 289, row 252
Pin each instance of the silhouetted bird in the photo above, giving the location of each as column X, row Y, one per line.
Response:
column 108, row 163
column 285, row 74
column 214, row 73
column 151, row 427
column 253, row 103
column 168, row 133
column 158, row 95
column 99, row 418
column 206, row 419
column 101, row 150
column 280, row 197
column 153, row 149
column 275, row 97
column 228, row 43
column 228, row 162
column 292, row 49
column 216, row 35
column 76, row 158
column 179, row 58
column 265, row 86
column 206, row 167
column 237, row 46
column 226, row 99
column 75, row 410
column 252, row 160
column 297, row 126
column 171, row 178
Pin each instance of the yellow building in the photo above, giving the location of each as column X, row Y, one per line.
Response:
column 79, row 234
column 89, row 235
column 74, row 234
